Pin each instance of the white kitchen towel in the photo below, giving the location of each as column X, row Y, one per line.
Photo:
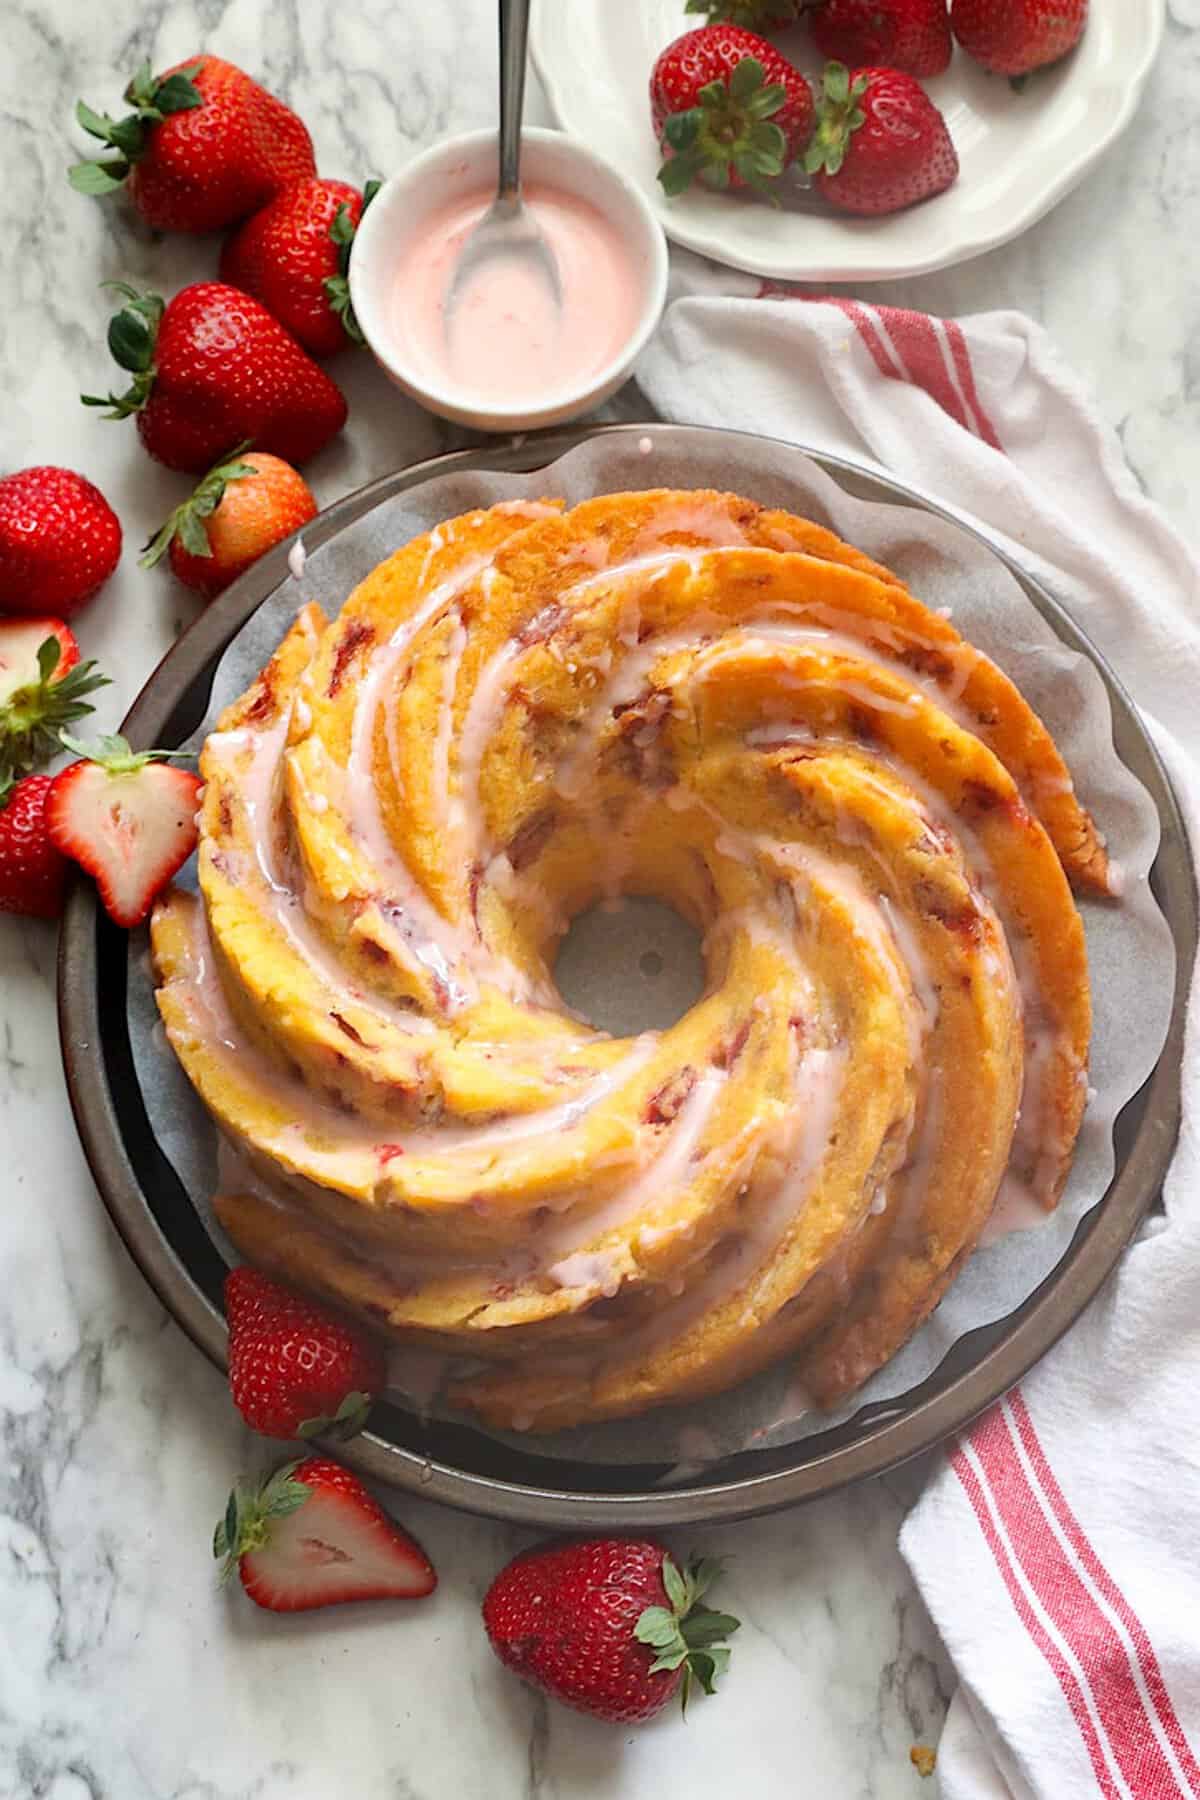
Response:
column 1058, row 1544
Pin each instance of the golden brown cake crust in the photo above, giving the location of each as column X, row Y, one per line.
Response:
column 677, row 694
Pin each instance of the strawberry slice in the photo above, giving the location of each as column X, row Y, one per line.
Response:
column 125, row 817
column 43, row 689
column 311, row 1535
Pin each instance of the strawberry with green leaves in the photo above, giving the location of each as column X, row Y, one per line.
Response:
column 213, row 369
column 880, row 143
column 294, row 256
column 296, row 1370
column 203, row 146
column 44, row 688
column 728, row 110
column 241, row 509
column 311, row 1535
column 609, row 1626
column 127, row 818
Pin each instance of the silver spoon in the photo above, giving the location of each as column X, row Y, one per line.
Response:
column 508, row 228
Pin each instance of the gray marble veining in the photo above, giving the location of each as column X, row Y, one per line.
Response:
column 124, row 1673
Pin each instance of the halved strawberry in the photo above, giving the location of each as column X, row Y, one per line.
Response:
column 311, row 1535
column 43, row 689
column 127, row 818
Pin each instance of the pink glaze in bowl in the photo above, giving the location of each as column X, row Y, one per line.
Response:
column 597, row 221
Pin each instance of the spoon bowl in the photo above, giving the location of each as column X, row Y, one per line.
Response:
column 508, row 232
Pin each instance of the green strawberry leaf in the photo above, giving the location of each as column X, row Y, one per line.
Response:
column 705, row 1571
column 186, row 521
column 131, row 341
column 98, row 177
column 681, row 129
column 657, row 1626
column 837, row 83
column 132, row 335
column 139, row 89
column 767, row 101
column 114, row 753
column 839, row 116
column 246, row 1524
column 337, row 287
column 677, row 174
column 703, row 1627
column 716, row 175
column 34, row 717
column 342, row 228
column 747, row 77
column 347, row 1421
column 678, row 1592
column 231, row 1520
column 98, row 125
column 178, row 93
column 48, row 657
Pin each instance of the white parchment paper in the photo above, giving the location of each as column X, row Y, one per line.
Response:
column 1130, row 949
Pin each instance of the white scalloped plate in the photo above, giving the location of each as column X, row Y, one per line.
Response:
column 1020, row 153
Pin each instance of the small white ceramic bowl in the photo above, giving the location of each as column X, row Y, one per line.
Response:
column 463, row 165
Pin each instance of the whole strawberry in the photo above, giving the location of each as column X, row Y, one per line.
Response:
column 294, row 1368
column 609, row 1626
column 240, row 510
column 728, row 110
column 203, row 147
column 214, row 369
column 311, row 1535
column 60, row 541
column 294, row 256
column 880, row 143
column 912, row 35
column 1011, row 37
column 33, row 872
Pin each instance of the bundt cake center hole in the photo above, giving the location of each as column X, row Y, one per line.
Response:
column 630, row 965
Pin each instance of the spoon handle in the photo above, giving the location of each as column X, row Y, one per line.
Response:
column 514, row 37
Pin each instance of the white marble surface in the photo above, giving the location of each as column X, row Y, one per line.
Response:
column 124, row 1674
